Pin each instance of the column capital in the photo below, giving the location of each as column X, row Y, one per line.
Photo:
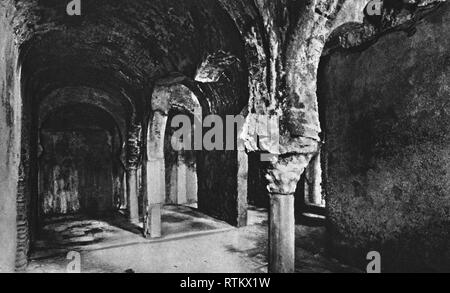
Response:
column 284, row 172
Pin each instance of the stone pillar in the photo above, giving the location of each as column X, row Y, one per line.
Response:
column 242, row 176
column 242, row 188
column 314, row 181
column 173, row 184
column 281, row 233
column 156, row 174
column 132, row 196
column 133, row 157
column 181, row 181
column 178, row 180
column 124, row 197
column 282, row 176
column 191, row 184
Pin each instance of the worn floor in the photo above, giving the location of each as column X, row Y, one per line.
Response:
column 191, row 243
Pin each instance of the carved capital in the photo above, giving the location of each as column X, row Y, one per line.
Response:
column 283, row 173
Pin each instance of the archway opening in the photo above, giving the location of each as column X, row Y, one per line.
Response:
column 80, row 180
column 181, row 165
column 309, row 195
column 78, row 145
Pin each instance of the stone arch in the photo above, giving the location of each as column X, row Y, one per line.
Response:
column 164, row 98
column 77, row 161
column 296, row 45
column 48, row 100
column 173, row 95
column 344, row 28
column 93, row 97
column 85, row 95
column 303, row 53
column 121, row 57
column 248, row 21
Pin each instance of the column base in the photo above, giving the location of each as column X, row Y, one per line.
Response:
column 135, row 221
column 152, row 221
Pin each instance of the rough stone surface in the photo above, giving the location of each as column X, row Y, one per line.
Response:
column 386, row 120
column 10, row 121
column 284, row 173
column 76, row 163
column 218, row 184
column 259, row 55
column 394, row 15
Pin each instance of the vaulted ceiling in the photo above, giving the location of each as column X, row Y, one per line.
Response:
column 119, row 47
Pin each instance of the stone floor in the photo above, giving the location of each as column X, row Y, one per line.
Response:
column 191, row 243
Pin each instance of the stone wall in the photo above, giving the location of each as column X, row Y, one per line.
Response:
column 76, row 172
column 257, row 193
column 218, row 184
column 10, row 125
column 386, row 117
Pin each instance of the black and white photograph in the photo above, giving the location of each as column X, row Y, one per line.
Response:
column 225, row 141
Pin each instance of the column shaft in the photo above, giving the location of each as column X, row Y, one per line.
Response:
column 191, row 185
column 314, row 178
column 282, row 177
column 281, row 234
column 132, row 196
column 181, row 182
column 156, row 193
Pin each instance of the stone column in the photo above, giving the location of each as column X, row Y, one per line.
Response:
column 124, row 198
column 242, row 175
column 133, row 157
column 191, row 184
column 132, row 195
column 173, row 184
column 242, row 188
column 181, row 181
column 282, row 176
column 156, row 174
column 314, row 178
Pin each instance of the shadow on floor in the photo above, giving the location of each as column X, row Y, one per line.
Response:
column 81, row 232
column 192, row 243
